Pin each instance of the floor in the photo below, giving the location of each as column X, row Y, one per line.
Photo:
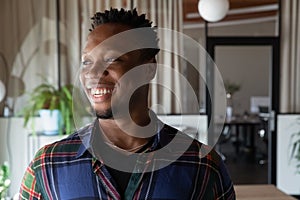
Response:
column 246, row 167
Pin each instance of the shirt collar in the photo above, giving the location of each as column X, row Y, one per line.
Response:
column 86, row 135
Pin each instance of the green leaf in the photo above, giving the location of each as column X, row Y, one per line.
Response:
column 47, row 96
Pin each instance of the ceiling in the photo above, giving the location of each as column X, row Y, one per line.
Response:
column 239, row 10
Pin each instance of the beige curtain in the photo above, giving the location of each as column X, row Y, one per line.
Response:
column 166, row 14
column 29, row 43
column 290, row 57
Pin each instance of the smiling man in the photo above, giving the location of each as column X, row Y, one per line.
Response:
column 126, row 153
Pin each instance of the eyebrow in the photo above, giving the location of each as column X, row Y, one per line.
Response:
column 107, row 49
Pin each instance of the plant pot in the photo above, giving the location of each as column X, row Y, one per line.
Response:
column 229, row 112
column 51, row 120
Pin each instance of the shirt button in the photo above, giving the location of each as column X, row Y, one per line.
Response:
column 138, row 170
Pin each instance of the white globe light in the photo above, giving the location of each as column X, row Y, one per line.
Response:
column 213, row 10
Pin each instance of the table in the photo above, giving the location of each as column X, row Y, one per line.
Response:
column 249, row 125
column 262, row 192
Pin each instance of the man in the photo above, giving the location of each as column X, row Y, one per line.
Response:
column 127, row 153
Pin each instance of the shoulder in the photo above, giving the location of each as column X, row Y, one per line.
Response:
column 67, row 145
column 212, row 173
column 60, row 151
column 190, row 148
column 196, row 153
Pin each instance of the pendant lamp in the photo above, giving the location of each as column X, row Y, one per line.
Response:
column 213, row 10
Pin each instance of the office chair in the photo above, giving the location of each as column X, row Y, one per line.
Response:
column 224, row 138
column 263, row 134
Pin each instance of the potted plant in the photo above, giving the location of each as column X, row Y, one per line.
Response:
column 230, row 88
column 4, row 181
column 58, row 102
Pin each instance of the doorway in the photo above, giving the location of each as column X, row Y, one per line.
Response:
column 235, row 58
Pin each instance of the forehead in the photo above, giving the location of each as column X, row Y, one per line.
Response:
column 102, row 33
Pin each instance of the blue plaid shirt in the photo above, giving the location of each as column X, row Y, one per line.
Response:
column 67, row 170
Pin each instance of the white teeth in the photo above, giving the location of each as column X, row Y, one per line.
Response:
column 100, row 91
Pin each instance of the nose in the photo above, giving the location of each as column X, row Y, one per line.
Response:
column 96, row 71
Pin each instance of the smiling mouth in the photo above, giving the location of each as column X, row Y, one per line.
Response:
column 101, row 91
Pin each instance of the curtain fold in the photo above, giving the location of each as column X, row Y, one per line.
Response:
column 32, row 49
column 75, row 22
column 166, row 97
column 28, row 46
column 290, row 59
column 29, row 42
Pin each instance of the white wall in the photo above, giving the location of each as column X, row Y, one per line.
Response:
column 13, row 149
column 18, row 148
column 248, row 66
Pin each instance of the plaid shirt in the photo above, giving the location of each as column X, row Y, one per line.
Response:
column 67, row 170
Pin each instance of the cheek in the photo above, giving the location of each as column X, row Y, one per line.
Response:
column 82, row 78
column 117, row 72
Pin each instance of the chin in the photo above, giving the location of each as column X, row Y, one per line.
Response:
column 104, row 114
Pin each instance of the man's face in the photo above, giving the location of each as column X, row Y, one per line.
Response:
column 103, row 64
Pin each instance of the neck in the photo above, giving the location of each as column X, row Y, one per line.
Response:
column 124, row 133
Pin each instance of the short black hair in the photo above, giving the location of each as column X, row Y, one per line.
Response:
column 128, row 17
column 132, row 19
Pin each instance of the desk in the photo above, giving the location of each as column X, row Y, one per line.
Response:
column 262, row 192
column 248, row 124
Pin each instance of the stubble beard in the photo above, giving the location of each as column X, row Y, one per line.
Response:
column 107, row 114
column 119, row 110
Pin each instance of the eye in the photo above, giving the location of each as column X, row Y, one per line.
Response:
column 111, row 60
column 86, row 63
